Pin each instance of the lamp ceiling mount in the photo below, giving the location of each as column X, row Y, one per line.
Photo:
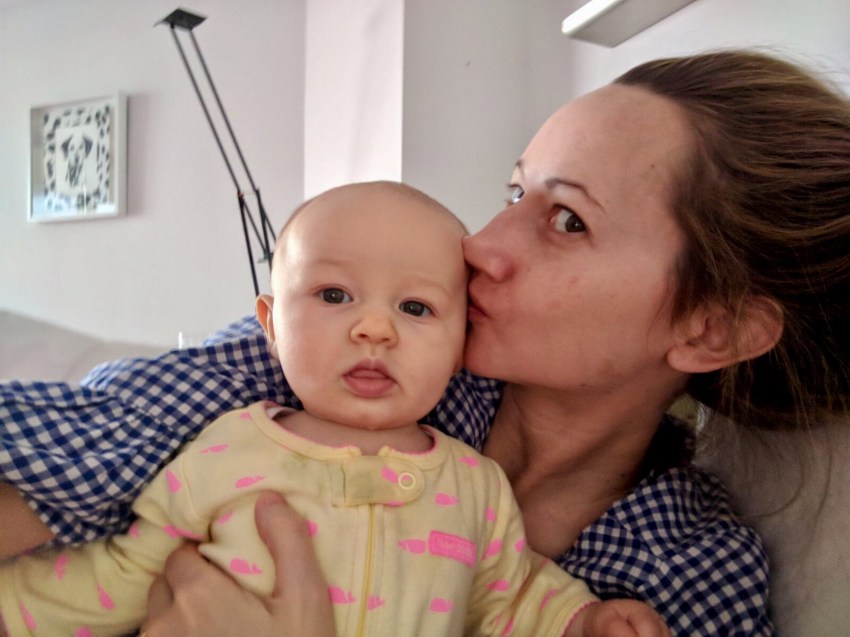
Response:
column 182, row 19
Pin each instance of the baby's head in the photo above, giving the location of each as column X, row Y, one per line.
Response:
column 368, row 308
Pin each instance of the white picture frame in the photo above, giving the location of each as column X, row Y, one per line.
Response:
column 78, row 160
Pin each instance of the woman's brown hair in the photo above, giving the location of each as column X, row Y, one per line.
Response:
column 765, row 206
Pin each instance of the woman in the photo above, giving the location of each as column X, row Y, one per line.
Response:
column 681, row 230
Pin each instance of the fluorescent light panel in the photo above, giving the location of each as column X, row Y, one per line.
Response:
column 610, row 22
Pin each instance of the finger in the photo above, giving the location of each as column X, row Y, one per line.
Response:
column 645, row 621
column 286, row 535
column 642, row 620
column 184, row 566
column 623, row 618
column 161, row 603
column 650, row 626
column 185, row 599
column 616, row 627
column 160, row 597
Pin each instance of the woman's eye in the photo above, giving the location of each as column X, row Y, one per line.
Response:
column 567, row 221
column 415, row 308
column 515, row 193
column 335, row 295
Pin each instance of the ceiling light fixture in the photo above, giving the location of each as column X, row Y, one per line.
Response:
column 610, row 22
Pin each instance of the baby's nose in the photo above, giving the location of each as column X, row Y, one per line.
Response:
column 375, row 327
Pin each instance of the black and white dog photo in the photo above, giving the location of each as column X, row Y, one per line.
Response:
column 76, row 149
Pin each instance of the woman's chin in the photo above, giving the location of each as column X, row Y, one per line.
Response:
column 477, row 360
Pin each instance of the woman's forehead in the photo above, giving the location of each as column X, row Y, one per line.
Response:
column 612, row 139
column 628, row 117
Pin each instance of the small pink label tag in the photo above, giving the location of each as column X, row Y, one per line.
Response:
column 452, row 546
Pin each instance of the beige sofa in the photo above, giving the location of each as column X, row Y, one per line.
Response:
column 38, row 350
column 795, row 489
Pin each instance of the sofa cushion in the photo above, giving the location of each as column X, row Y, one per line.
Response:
column 37, row 350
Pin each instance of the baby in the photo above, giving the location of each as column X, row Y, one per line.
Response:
column 416, row 533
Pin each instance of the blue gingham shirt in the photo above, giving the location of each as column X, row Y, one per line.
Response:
column 80, row 455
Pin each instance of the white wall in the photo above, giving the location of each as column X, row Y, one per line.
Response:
column 177, row 260
column 479, row 76
column 814, row 32
column 467, row 92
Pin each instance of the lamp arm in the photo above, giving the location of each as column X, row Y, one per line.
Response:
column 265, row 232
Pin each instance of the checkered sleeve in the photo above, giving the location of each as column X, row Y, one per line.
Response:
column 80, row 455
column 675, row 544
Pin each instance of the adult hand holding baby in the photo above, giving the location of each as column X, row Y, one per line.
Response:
column 618, row 618
column 194, row 598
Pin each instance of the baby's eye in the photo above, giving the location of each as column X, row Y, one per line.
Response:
column 335, row 295
column 515, row 193
column 567, row 221
column 415, row 308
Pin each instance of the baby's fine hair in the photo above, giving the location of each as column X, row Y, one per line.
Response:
column 401, row 189
column 765, row 207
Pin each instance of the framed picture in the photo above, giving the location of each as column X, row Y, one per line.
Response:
column 78, row 160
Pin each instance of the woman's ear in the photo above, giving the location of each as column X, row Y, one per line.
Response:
column 265, row 316
column 712, row 339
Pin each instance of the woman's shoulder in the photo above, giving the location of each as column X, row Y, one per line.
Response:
column 673, row 509
column 678, row 513
column 676, row 543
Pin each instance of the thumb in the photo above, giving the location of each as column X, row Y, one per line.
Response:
column 287, row 537
column 300, row 597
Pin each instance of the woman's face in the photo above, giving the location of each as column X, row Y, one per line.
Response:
column 572, row 282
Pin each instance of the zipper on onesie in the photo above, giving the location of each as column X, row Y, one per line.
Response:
column 367, row 574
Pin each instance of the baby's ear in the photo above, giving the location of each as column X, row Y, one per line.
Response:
column 265, row 316
column 710, row 339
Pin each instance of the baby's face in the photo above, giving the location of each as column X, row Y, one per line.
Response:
column 369, row 310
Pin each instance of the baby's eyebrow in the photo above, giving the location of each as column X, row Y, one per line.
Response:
column 433, row 285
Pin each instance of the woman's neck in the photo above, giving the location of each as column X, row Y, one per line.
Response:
column 568, row 461
column 407, row 438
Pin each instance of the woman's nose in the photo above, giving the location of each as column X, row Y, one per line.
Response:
column 490, row 251
column 376, row 328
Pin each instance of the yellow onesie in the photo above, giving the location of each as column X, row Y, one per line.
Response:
column 410, row 543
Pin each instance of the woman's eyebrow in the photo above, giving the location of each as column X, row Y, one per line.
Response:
column 551, row 182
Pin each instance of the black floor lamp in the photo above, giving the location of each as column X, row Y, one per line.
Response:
column 262, row 229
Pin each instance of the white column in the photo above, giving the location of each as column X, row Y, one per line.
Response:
column 353, row 92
